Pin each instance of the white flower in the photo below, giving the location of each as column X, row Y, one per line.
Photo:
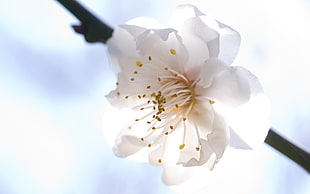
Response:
column 177, row 99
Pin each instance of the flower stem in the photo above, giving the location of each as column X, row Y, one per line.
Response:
column 91, row 27
column 95, row 30
column 289, row 149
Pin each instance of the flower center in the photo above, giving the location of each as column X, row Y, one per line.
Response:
column 167, row 106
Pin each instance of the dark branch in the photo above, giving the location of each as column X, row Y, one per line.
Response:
column 289, row 149
column 91, row 27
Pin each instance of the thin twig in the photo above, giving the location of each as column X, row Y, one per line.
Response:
column 91, row 27
column 289, row 149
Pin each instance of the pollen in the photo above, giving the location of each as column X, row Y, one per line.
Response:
column 173, row 52
column 211, row 101
column 181, row 147
column 139, row 63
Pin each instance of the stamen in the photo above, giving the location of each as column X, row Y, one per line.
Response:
column 181, row 147
column 150, row 58
column 139, row 63
column 132, row 79
column 159, row 161
column 136, row 72
column 211, row 101
column 173, row 52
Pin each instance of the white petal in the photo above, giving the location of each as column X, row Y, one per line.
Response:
column 181, row 14
column 236, row 141
column 164, row 45
column 122, row 43
column 210, row 69
column 205, row 153
column 229, row 43
column 127, row 145
column 230, row 85
column 249, row 121
column 145, row 22
column 219, row 138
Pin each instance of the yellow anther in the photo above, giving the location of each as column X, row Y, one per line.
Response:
column 150, row 58
column 181, row 146
column 132, row 79
column 211, row 101
column 117, row 93
column 142, row 139
column 166, row 68
column 184, row 119
column 153, row 128
column 177, row 106
column 148, row 122
column 139, row 97
column 159, row 161
column 174, row 95
column 129, row 127
column 136, row 72
column 148, row 87
column 173, row 52
column 117, row 83
column 137, row 119
column 159, row 79
column 175, row 75
column 126, row 97
column 149, row 145
column 143, row 96
column 197, row 148
column 166, row 133
column 171, row 127
column 142, row 108
column 139, row 63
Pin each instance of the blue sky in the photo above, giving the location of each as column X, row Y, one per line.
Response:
column 52, row 88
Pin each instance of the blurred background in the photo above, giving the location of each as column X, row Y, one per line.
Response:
column 53, row 86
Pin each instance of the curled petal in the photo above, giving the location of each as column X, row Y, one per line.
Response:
column 165, row 45
column 219, row 138
column 123, row 35
column 127, row 145
column 181, row 14
column 229, row 85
